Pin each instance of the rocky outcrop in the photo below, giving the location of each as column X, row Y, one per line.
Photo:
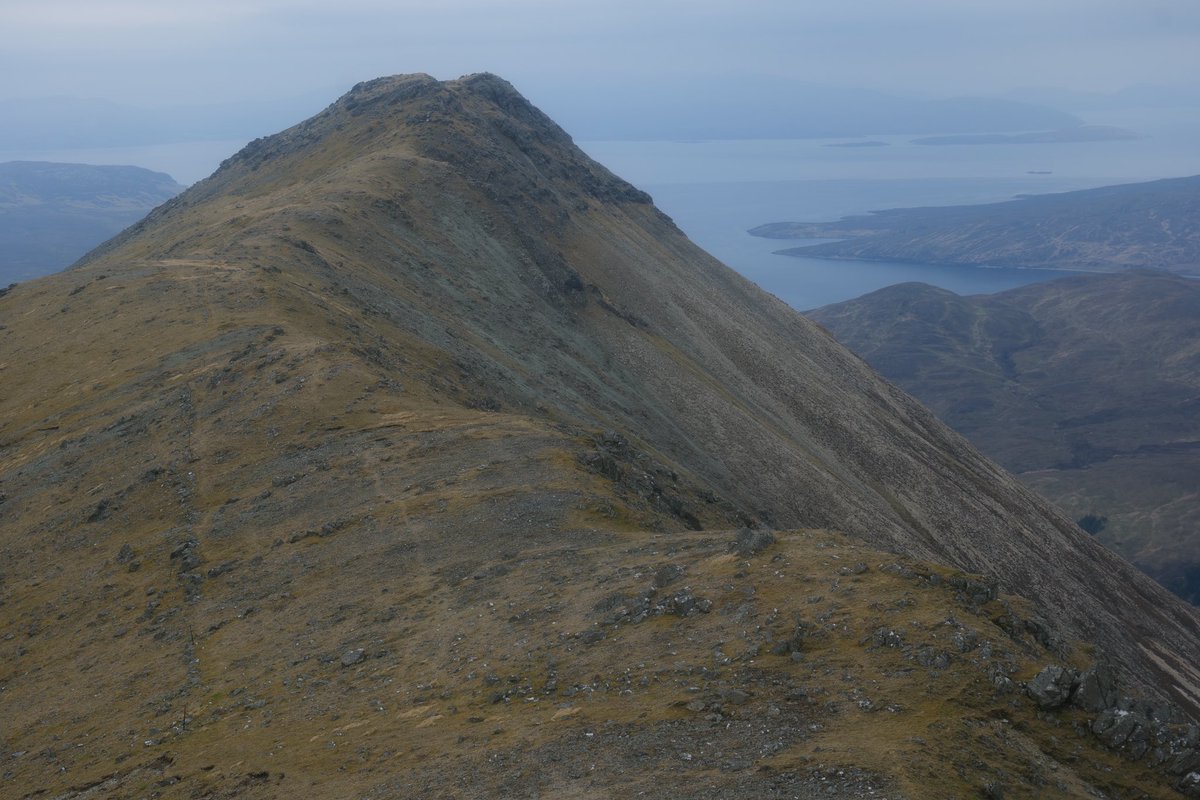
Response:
column 1157, row 734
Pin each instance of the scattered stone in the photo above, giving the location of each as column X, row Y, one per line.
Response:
column 735, row 697
column 933, row 659
column 221, row 569
column 751, row 542
column 1119, row 727
column 857, row 569
column 668, row 574
column 973, row 590
column 187, row 556
column 885, row 637
column 1000, row 680
column 684, row 603
column 1052, row 687
column 965, row 640
column 592, row 636
column 125, row 554
column 352, row 657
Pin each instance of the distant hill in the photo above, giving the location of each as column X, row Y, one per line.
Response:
column 51, row 214
column 1151, row 225
column 1087, row 387
column 1078, row 133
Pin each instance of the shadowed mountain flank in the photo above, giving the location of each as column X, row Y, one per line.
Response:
column 406, row 455
column 1087, row 387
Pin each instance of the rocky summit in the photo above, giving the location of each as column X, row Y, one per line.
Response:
column 414, row 454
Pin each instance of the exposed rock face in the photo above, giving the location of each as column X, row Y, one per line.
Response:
column 416, row 381
column 1097, row 688
column 1053, row 686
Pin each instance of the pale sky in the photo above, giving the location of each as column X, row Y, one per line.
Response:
column 164, row 52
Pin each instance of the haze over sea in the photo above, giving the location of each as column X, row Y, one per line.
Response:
column 716, row 190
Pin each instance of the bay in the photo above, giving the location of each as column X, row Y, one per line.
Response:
column 716, row 190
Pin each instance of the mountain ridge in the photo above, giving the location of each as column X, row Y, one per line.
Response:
column 381, row 373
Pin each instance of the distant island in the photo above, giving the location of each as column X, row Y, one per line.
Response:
column 871, row 143
column 51, row 213
column 1150, row 225
column 1076, row 133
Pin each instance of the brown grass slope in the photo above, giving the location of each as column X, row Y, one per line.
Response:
column 1087, row 387
column 416, row 378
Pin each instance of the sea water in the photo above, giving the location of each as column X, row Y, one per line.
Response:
column 717, row 190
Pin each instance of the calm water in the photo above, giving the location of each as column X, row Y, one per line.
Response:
column 715, row 191
column 716, row 216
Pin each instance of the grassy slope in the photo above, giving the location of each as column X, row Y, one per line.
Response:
column 345, row 396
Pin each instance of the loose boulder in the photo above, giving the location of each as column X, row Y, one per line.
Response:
column 1052, row 687
column 1097, row 688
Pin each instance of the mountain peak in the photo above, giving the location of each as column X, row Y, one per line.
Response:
column 476, row 129
column 414, row 417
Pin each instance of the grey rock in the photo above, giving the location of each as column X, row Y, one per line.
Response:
column 1000, row 680
column 973, row 590
column 1052, row 687
column 186, row 555
column 1115, row 726
column 933, row 659
column 1097, row 688
column 966, row 640
column 886, row 637
column 668, row 574
column 751, row 542
column 352, row 657
column 592, row 636
column 125, row 554
column 735, row 697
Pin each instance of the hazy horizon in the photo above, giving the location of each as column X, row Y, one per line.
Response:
column 300, row 54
